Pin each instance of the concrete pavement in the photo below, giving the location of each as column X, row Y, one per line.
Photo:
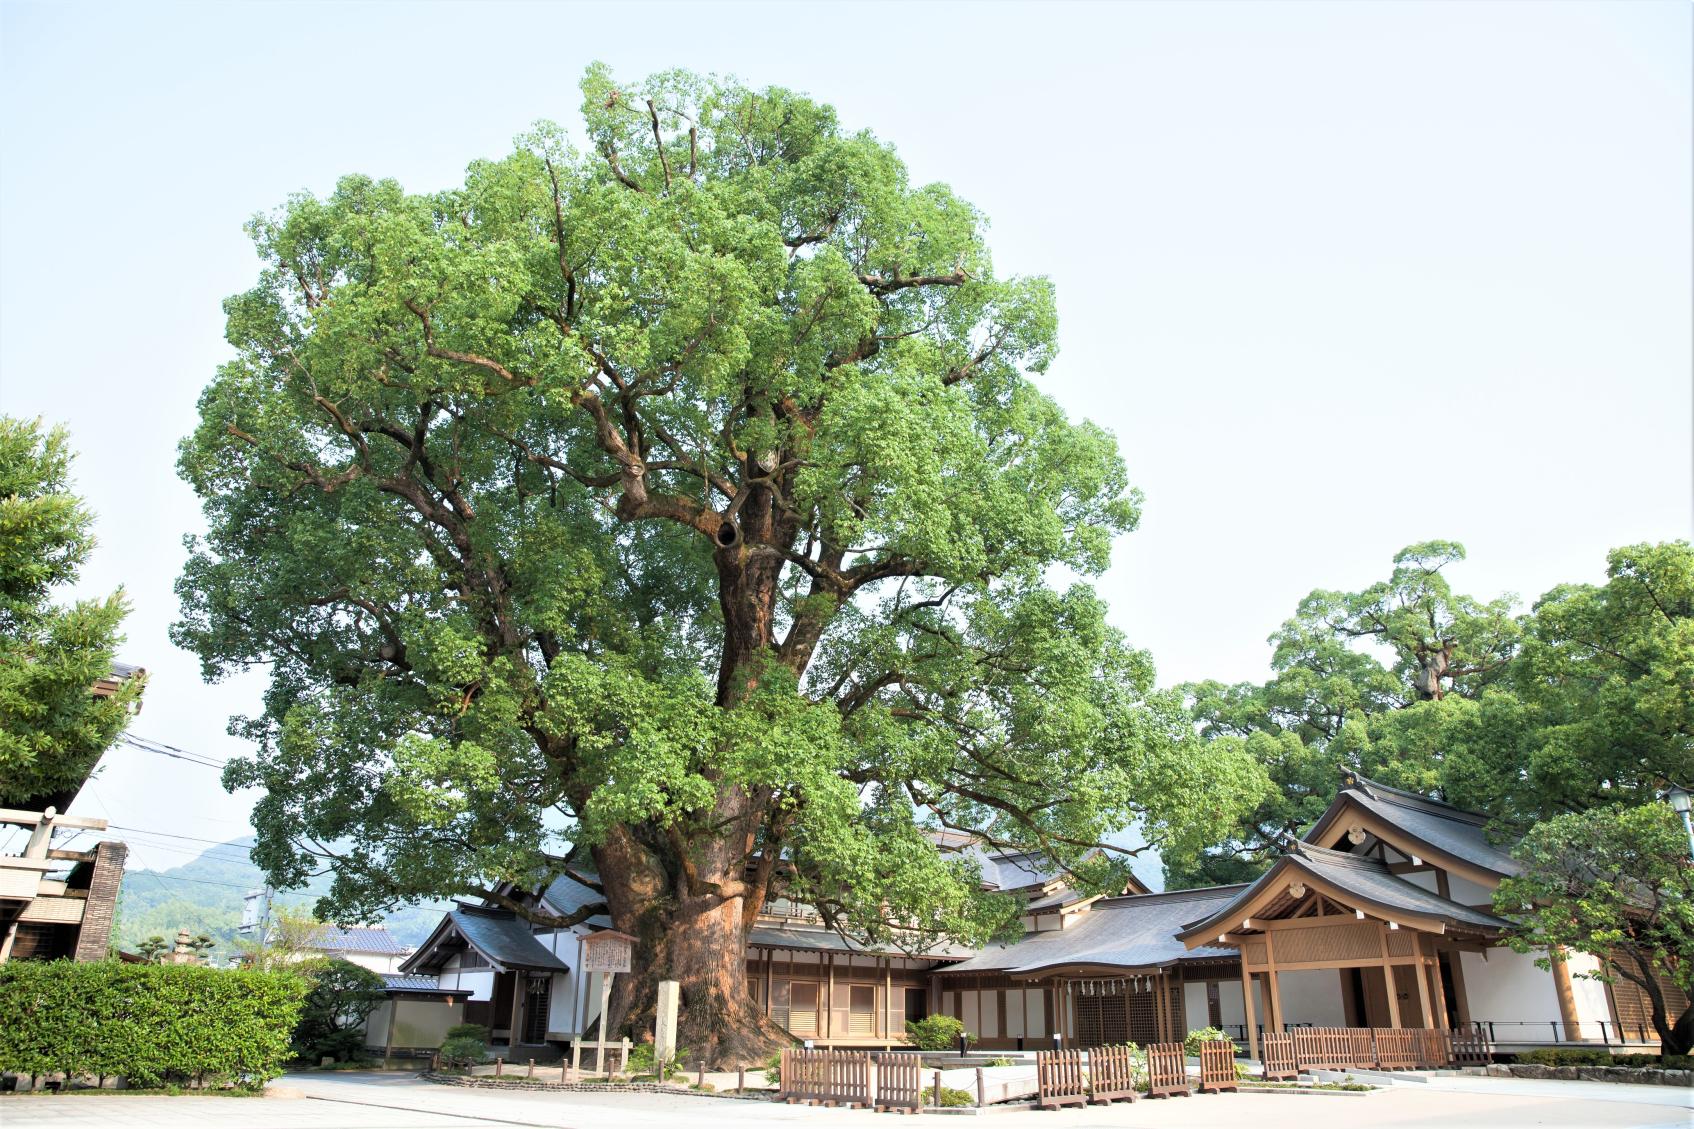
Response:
column 392, row 1101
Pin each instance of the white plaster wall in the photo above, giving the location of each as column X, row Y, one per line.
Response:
column 376, row 962
column 1468, row 893
column 1508, row 987
column 479, row 982
column 1312, row 996
column 1194, row 1003
column 1232, row 1009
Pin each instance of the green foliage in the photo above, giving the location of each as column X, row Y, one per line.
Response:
column 1002, row 1061
column 52, row 727
column 1385, row 681
column 151, row 1024
column 1191, row 1044
column 950, row 1097
column 1565, row 1056
column 474, row 1031
column 1617, row 883
column 1666, row 1062
column 773, row 1069
column 695, row 488
column 463, row 1051
column 936, row 1033
column 1606, row 681
column 153, row 948
column 333, row 1015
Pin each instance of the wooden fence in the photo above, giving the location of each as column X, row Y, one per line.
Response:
column 1167, row 1070
column 1217, row 1066
column 1373, row 1048
column 1280, row 1063
column 899, row 1083
column 1111, row 1075
column 1333, row 1048
column 826, row 1077
column 1059, row 1079
column 1471, row 1047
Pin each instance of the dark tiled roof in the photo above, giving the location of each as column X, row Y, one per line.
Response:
column 357, row 939
column 825, row 940
column 1371, row 880
column 1366, row 881
column 396, row 982
column 1131, row 933
column 504, row 940
column 1439, row 826
column 565, row 895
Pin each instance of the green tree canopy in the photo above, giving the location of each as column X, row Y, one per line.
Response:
column 1615, row 882
column 332, row 1016
column 53, row 727
column 1384, row 681
column 684, row 505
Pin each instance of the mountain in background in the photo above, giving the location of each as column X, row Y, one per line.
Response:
column 205, row 895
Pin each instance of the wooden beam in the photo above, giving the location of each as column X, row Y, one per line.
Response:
column 1275, row 1020
column 1388, row 982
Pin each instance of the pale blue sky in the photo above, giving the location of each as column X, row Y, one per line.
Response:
column 1340, row 276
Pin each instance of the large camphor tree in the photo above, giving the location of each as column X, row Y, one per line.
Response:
column 678, row 513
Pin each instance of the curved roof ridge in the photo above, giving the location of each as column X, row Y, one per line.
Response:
column 1390, row 794
column 1163, row 897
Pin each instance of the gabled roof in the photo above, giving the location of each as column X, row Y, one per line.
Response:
column 357, row 939
column 1415, row 824
column 499, row 935
column 1358, row 882
column 1137, row 932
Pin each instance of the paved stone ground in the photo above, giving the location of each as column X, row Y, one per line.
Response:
column 378, row 1101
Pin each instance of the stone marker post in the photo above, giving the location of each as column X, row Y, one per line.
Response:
column 664, row 1027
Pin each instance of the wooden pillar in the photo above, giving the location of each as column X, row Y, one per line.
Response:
column 829, row 999
column 768, row 963
column 517, row 1003
column 1457, row 969
column 1274, row 1020
column 1439, row 992
column 1392, row 990
column 887, row 999
column 1251, row 1016
column 1159, row 1025
column 1567, row 997
column 1422, row 982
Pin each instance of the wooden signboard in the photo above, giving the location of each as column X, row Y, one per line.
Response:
column 607, row 951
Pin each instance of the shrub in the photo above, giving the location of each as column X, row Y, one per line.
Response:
column 936, row 1033
column 1002, row 1061
column 468, row 1031
column 463, row 1051
column 332, row 1018
column 1191, row 1045
column 1565, row 1056
column 773, row 1068
column 949, row 1097
column 153, row 1025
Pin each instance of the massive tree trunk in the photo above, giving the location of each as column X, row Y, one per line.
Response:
column 689, row 894
column 690, row 925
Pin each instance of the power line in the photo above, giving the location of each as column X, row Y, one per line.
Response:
column 156, row 876
column 159, row 748
column 174, row 835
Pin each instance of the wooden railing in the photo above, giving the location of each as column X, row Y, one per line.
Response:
column 1217, row 1066
column 1059, row 1079
column 1396, row 1049
column 1111, row 1075
column 1280, row 1063
column 899, row 1083
column 1167, row 1070
column 1332, row 1048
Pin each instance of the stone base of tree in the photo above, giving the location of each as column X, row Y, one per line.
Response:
column 1641, row 1075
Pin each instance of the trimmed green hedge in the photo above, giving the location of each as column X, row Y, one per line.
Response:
column 151, row 1024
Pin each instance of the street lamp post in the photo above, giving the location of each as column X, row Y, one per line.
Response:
column 1680, row 803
